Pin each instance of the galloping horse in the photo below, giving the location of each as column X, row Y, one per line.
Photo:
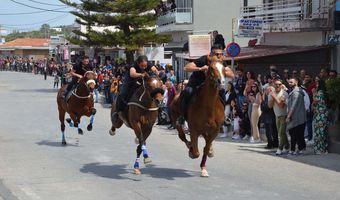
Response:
column 205, row 113
column 79, row 104
column 140, row 115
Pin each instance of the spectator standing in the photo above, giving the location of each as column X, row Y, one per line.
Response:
column 320, row 120
column 240, row 84
column 107, row 85
column 310, row 86
column 278, row 100
column 296, row 118
column 56, row 79
column 268, row 118
column 218, row 39
column 172, row 77
column 171, row 93
column 255, row 99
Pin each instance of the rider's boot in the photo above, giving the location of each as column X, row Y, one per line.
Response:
column 180, row 120
column 67, row 90
column 118, row 107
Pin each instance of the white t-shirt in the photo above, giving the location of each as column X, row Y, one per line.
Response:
column 277, row 109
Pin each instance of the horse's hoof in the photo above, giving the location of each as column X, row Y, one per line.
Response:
column 89, row 127
column 112, row 133
column 211, row 153
column 137, row 171
column 63, row 143
column 136, row 140
column 68, row 120
column 204, row 173
column 191, row 155
column 147, row 160
column 80, row 132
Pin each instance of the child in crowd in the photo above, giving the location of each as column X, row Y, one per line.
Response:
column 56, row 79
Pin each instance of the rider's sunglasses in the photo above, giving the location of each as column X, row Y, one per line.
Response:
column 218, row 54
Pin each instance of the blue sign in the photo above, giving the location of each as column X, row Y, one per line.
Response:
column 334, row 39
column 233, row 49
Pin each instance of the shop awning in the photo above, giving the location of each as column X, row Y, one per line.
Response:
column 265, row 51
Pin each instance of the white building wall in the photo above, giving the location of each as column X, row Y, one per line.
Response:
column 293, row 39
column 217, row 15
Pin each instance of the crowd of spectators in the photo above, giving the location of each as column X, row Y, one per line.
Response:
column 289, row 105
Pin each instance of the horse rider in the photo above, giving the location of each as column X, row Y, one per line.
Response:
column 78, row 72
column 198, row 67
column 136, row 72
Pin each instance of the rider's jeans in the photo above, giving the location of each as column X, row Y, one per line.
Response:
column 97, row 95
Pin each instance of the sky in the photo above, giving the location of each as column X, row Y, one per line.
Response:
column 28, row 22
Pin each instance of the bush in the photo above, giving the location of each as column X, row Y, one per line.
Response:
column 333, row 91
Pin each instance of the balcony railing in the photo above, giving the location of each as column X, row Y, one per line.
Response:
column 287, row 10
column 175, row 16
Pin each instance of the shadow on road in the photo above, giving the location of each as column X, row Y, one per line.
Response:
column 329, row 161
column 55, row 144
column 42, row 90
column 123, row 171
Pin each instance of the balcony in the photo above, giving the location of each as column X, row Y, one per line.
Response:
column 290, row 15
column 178, row 19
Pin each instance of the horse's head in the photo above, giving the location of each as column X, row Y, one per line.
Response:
column 154, row 86
column 90, row 80
column 216, row 71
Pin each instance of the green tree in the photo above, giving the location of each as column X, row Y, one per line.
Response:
column 134, row 21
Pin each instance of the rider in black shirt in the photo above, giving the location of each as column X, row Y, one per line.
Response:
column 198, row 67
column 134, row 74
column 78, row 72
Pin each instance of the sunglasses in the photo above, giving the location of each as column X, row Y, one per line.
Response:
column 218, row 54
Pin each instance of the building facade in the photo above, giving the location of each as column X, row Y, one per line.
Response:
column 296, row 23
column 26, row 47
column 195, row 17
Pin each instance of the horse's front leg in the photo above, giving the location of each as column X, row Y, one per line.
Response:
column 208, row 150
column 80, row 131
column 193, row 151
column 91, row 113
column 145, row 130
column 182, row 136
column 136, row 169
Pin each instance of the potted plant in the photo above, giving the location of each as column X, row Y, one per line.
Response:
column 333, row 92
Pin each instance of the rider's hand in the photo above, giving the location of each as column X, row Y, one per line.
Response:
column 204, row 68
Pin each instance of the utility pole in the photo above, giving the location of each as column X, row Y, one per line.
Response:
column 232, row 39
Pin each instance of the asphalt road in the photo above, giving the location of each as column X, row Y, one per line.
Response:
column 34, row 166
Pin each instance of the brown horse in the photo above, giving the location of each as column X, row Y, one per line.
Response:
column 79, row 104
column 205, row 113
column 141, row 115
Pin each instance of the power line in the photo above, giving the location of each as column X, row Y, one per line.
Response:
column 51, row 10
column 41, row 22
column 29, row 28
column 28, row 13
column 49, row 4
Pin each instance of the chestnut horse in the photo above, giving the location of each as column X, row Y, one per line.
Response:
column 205, row 113
column 140, row 115
column 79, row 104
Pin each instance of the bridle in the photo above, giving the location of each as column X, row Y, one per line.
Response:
column 157, row 90
column 216, row 82
column 87, row 83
